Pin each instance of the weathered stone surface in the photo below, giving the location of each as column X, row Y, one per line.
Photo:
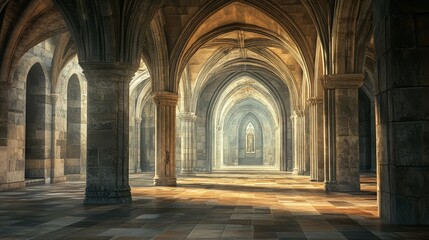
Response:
column 402, row 116
column 165, row 135
column 108, row 152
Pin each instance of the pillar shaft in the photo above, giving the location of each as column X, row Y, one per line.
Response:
column 341, row 131
column 402, row 110
column 137, row 150
column 188, row 152
column 298, row 123
column 57, row 165
column 315, row 106
column 108, row 134
column 165, row 135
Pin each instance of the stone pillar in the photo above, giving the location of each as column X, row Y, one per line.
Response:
column 188, row 152
column 108, row 133
column 137, row 150
column 373, row 141
column 306, row 143
column 57, row 164
column 402, row 110
column 298, row 132
column 165, row 135
column 315, row 106
column 4, row 109
column 218, row 158
column 341, row 131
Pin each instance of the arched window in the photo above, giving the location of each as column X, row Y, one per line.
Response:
column 250, row 138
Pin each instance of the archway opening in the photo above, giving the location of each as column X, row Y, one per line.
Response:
column 36, row 154
column 72, row 162
column 250, row 143
column 147, row 138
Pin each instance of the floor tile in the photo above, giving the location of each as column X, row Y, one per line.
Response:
column 220, row 205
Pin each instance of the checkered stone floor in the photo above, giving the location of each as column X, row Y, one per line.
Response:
column 224, row 205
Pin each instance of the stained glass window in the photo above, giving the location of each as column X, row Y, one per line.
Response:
column 250, row 138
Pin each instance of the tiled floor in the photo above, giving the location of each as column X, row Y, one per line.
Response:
column 205, row 206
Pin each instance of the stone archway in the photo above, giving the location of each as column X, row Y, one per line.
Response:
column 367, row 153
column 250, row 141
column 36, row 154
column 72, row 162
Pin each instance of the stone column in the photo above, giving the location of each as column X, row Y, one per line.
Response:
column 298, row 132
column 315, row 106
column 373, row 141
column 188, row 152
column 402, row 110
column 165, row 135
column 57, row 164
column 4, row 109
column 137, row 150
column 341, row 131
column 108, row 133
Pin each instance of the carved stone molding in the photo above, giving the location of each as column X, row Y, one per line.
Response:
column 345, row 81
column 188, row 116
column 314, row 101
column 298, row 113
column 108, row 71
column 54, row 98
column 138, row 120
column 162, row 98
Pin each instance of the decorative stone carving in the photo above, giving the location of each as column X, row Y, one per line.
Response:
column 342, row 81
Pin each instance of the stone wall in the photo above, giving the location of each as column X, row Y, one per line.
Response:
column 69, row 149
column 28, row 150
column 12, row 156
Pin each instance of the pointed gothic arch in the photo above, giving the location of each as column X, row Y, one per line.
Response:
column 250, row 138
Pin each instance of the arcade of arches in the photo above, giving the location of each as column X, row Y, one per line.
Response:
column 95, row 90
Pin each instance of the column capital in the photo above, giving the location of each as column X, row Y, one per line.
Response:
column 347, row 81
column 188, row 116
column 163, row 98
column 138, row 120
column 314, row 101
column 108, row 71
column 54, row 98
column 297, row 113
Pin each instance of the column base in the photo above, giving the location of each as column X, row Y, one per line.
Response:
column 107, row 196
column 73, row 177
column 295, row 171
column 164, row 181
column 186, row 172
column 12, row 185
column 335, row 187
column 58, row 179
